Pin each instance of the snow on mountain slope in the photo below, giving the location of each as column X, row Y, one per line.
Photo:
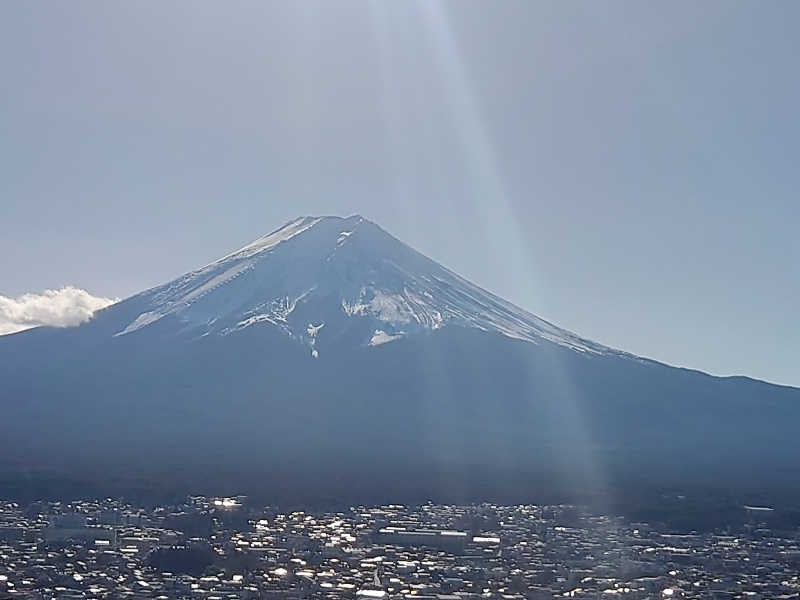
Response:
column 324, row 278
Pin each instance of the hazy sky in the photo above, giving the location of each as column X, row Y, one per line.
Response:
column 628, row 170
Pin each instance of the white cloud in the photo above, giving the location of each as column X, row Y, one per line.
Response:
column 66, row 307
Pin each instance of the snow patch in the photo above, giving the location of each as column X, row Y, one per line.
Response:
column 381, row 337
column 173, row 299
column 255, row 319
column 313, row 330
column 391, row 308
column 354, row 309
column 216, row 281
column 271, row 240
column 144, row 319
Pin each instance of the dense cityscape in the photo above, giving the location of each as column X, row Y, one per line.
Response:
column 226, row 548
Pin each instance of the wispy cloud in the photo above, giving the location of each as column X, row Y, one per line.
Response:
column 66, row 307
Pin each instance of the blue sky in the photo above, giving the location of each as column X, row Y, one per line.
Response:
column 627, row 170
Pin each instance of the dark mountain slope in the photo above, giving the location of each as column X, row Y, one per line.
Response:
column 307, row 401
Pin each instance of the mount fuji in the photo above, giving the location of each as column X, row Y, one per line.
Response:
column 326, row 279
column 327, row 358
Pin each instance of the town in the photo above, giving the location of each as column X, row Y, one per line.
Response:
column 226, row 548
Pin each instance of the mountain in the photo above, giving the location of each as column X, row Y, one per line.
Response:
column 325, row 279
column 329, row 359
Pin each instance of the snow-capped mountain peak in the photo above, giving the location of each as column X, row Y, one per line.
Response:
column 323, row 279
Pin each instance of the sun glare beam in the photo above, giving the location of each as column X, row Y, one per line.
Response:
column 491, row 201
